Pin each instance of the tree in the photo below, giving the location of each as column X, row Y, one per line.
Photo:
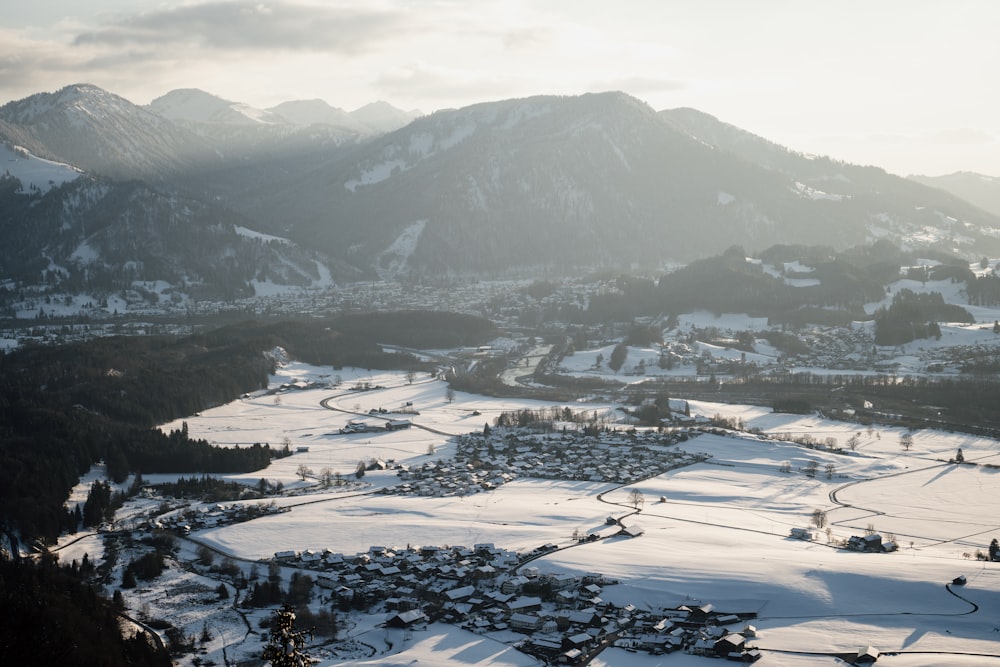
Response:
column 326, row 477
column 906, row 441
column 830, row 470
column 285, row 643
column 449, row 394
column 854, row 441
column 635, row 498
column 994, row 550
column 205, row 556
column 411, row 375
column 359, row 472
column 959, row 456
column 810, row 468
column 618, row 356
column 303, row 471
column 819, row 518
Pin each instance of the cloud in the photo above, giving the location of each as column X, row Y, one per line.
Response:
column 283, row 26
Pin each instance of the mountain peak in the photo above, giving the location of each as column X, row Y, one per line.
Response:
column 383, row 117
column 313, row 112
column 192, row 104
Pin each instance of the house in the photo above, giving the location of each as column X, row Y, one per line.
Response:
column 731, row 643
column 457, row 594
column 525, row 622
column 581, row 641
column 572, row 657
column 631, row 531
column 865, row 543
column 525, row 604
column 406, row 619
column 866, row 656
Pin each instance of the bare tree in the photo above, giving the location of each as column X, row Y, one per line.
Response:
column 449, row 394
column 303, row 471
column 906, row 441
column 411, row 375
column 636, row 499
column 819, row 518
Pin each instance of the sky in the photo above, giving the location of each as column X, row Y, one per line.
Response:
column 907, row 85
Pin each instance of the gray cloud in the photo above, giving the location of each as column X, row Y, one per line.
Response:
column 285, row 26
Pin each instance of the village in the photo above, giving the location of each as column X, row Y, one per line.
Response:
column 486, row 589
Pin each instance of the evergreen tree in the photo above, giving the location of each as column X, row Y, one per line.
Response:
column 285, row 643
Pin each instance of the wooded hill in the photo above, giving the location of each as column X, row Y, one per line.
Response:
column 64, row 408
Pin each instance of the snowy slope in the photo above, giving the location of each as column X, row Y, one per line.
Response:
column 35, row 172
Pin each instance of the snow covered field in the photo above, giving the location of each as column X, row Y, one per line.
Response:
column 715, row 532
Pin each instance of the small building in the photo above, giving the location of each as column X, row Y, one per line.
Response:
column 405, row 619
column 866, row 656
column 731, row 643
column 525, row 622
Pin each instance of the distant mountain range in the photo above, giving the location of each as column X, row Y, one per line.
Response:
column 514, row 187
column 978, row 189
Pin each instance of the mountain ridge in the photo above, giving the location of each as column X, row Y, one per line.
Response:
column 512, row 187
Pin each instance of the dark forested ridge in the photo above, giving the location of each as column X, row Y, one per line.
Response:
column 64, row 408
column 842, row 283
column 51, row 617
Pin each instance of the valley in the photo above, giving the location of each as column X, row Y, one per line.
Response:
column 715, row 529
column 544, row 380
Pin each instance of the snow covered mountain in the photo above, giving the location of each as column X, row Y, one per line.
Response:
column 978, row 189
column 191, row 104
column 99, row 237
column 103, row 133
column 599, row 180
column 511, row 187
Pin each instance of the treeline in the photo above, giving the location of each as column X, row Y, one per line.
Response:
column 51, row 617
column 418, row 328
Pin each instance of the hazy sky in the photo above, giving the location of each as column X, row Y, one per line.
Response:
column 908, row 85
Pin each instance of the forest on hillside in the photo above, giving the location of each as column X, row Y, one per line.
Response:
column 64, row 408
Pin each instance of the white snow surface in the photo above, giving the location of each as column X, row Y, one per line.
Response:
column 34, row 171
column 715, row 531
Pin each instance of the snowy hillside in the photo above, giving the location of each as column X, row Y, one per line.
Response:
column 35, row 173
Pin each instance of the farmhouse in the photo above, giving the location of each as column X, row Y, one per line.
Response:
column 406, row 619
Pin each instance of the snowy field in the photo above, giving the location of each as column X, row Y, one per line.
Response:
column 715, row 532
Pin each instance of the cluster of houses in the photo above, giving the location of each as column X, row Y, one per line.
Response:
column 559, row 617
column 485, row 461
column 375, row 426
column 871, row 542
column 211, row 516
